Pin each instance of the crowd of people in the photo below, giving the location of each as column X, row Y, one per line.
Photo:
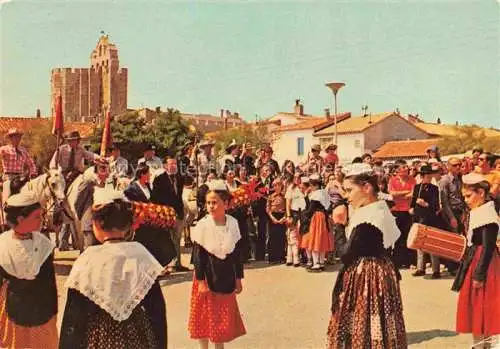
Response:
column 308, row 215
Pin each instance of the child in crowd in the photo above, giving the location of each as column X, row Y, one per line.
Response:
column 218, row 271
column 276, row 210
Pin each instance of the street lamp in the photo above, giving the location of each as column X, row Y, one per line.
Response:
column 335, row 87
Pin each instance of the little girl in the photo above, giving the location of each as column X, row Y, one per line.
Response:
column 293, row 241
column 218, row 271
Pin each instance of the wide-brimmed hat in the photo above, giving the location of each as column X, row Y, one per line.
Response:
column 454, row 161
column 14, row 131
column 433, row 148
column 231, row 146
column 316, row 147
column 149, row 147
column 206, row 143
column 73, row 135
column 331, row 146
column 427, row 169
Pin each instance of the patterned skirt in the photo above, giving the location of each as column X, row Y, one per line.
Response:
column 214, row 316
column 367, row 311
column 16, row 336
column 478, row 310
column 318, row 238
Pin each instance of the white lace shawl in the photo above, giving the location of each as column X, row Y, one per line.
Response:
column 322, row 196
column 219, row 242
column 482, row 215
column 115, row 276
column 378, row 215
column 24, row 258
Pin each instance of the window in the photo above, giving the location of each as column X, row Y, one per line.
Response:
column 300, row 146
column 357, row 143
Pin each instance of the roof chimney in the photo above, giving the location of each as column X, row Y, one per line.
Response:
column 439, row 121
column 298, row 108
column 38, row 114
column 158, row 110
column 222, row 113
column 327, row 113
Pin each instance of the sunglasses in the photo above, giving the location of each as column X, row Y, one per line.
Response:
column 456, row 165
column 482, row 159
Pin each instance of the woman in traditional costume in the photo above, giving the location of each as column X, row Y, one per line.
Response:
column 317, row 239
column 367, row 311
column 478, row 277
column 218, row 270
column 28, row 292
column 114, row 299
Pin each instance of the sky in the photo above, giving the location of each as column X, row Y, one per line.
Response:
column 435, row 58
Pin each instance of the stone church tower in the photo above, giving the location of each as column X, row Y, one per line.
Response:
column 89, row 93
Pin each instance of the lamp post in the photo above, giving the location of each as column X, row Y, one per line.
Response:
column 335, row 87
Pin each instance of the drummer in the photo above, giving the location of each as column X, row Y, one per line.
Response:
column 424, row 207
column 478, row 278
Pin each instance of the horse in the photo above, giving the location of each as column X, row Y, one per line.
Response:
column 49, row 189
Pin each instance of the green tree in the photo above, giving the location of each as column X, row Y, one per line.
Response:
column 466, row 138
column 168, row 132
column 41, row 143
column 257, row 135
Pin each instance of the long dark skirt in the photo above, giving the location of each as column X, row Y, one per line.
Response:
column 367, row 310
column 402, row 255
column 242, row 216
column 277, row 240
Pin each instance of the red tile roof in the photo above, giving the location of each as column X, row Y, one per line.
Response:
column 405, row 149
column 313, row 122
column 27, row 123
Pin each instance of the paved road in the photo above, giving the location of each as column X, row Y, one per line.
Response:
column 288, row 308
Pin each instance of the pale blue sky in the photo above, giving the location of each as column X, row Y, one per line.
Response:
column 435, row 58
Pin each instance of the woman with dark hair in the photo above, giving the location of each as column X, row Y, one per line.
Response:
column 114, row 299
column 241, row 175
column 214, row 315
column 367, row 311
column 287, row 172
column 478, row 277
column 28, row 293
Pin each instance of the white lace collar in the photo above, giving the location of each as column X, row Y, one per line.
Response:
column 480, row 216
column 24, row 258
column 378, row 215
column 217, row 240
column 115, row 276
column 322, row 196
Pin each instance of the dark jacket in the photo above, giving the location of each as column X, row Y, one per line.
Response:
column 426, row 215
column 164, row 193
column 156, row 240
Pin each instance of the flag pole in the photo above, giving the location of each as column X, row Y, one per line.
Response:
column 58, row 127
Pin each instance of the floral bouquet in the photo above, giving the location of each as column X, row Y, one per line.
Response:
column 155, row 215
column 245, row 195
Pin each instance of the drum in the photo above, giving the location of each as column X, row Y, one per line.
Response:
column 437, row 242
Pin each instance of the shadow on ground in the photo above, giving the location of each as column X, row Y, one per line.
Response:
column 423, row 336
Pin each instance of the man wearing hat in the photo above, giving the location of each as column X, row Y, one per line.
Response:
column 314, row 160
column 231, row 158
column 71, row 157
column 433, row 153
column 331, row 158
column 15, row 159
column 118, row 165
column 425, row 206
column 203, row 161
column 150, row 158
column 247, row 158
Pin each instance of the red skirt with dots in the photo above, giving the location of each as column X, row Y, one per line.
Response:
column 214, row 316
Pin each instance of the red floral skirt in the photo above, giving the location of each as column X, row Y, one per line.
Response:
column 479, row 309
column 16, row 336
column 319, row 238
column 214, row 316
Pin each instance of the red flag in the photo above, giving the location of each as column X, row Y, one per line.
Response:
column 58, row 126
column 106, row 134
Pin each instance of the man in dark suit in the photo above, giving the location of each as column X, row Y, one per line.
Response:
column 167, row 190
column 156, row 241
column 258, row 242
